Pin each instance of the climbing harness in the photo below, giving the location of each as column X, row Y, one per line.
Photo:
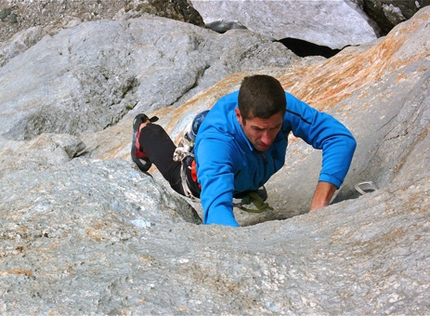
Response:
column 184, row 153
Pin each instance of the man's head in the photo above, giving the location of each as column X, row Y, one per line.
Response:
column 262, row 106
column 261, row 96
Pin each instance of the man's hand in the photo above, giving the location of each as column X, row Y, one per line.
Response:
column 323, row 194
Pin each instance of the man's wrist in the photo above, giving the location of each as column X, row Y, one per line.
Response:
column 322, row 195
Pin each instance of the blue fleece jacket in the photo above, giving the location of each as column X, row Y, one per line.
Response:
column 228, row 164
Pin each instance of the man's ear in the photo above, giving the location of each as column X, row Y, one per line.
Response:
column 238, row 115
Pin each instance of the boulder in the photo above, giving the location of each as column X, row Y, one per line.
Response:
column 389, row 13
column 334, row 24
column 40, row 153
column 52, row 16
column 88, row 77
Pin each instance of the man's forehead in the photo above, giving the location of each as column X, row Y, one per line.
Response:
column 271, row 122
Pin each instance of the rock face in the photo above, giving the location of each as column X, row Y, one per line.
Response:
column 52, row 16
column 84, row 232
column 97, row 72
column 334, row 24
column 388, row 13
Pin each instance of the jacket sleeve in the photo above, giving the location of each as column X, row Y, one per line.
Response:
column 215, row 169
column 324, row 132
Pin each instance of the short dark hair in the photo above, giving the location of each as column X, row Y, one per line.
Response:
column 261, row 96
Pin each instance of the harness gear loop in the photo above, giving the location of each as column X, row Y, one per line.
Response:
column 182, row 152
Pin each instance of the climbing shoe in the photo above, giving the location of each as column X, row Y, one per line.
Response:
column 138, row 155
column 197, row 121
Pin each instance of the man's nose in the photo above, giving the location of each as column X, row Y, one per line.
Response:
column 266, row 138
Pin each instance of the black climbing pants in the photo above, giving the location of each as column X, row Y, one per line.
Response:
column 160, row 148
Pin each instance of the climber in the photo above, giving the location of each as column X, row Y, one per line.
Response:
column 240, row 144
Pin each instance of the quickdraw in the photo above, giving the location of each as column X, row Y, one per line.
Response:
column 255, row 199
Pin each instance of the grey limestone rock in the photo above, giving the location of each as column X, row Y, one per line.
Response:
column 389, row 13
column 52, row 16
column 40, row 153
column 85, row 240
column 81, row 235
column 334, row 24
column 88, row 77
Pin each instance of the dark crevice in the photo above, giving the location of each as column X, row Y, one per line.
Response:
column 303, row 48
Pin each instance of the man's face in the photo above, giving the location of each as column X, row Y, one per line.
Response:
column 261, row 132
